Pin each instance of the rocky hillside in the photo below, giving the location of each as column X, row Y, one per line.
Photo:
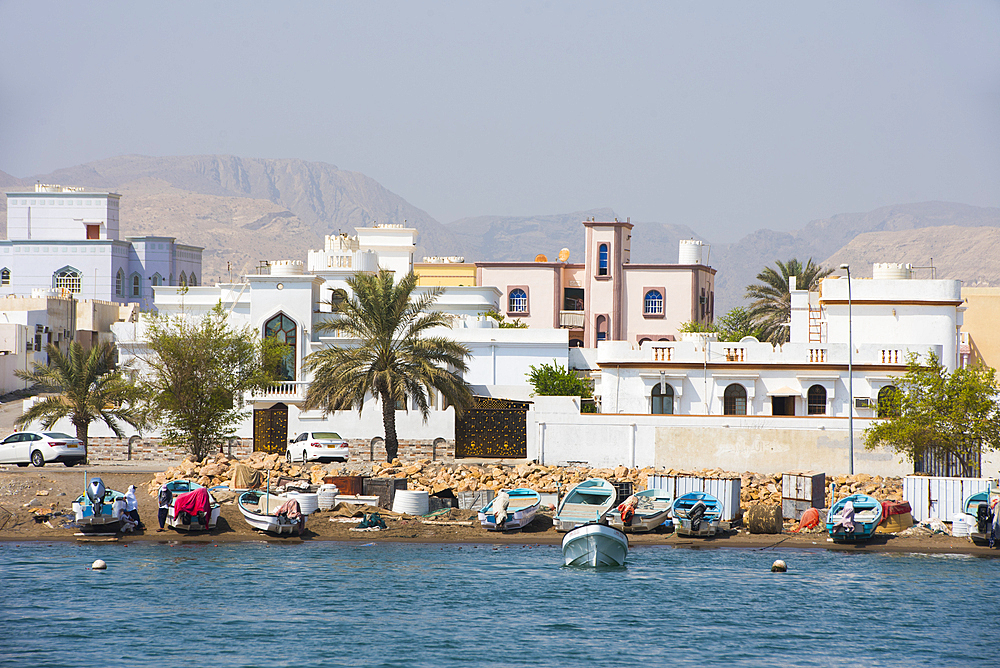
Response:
column 243, row 210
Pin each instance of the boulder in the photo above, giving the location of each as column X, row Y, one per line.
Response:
column 763, row 518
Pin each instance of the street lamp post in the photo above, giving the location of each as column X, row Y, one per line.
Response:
column 850, row 370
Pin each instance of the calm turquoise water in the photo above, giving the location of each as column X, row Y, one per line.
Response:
column 334, row 604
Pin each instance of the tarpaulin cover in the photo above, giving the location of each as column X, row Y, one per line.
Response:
column 895, row 523
column 895, row 508
column 244, row 477
column 290, row 508
column 192, row 503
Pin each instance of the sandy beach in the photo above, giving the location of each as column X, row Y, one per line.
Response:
column 28, row 492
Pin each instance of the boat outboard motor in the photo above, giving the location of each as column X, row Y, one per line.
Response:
column 95, row 492
column 983, row 518
column 696, row 513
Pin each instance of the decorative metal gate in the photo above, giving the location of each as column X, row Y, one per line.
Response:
column 270, row 428
column 493, row 428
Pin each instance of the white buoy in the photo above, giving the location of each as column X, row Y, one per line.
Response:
column 778, row 567
column 99, row 565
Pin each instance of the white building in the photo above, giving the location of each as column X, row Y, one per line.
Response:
column 66, row 240
column 286, row 301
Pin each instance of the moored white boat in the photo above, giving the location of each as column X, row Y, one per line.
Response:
column 595, row 545
column 652, row 509
column 516, row 510
column 587, row 502
column 260, row 510
column 194, row 510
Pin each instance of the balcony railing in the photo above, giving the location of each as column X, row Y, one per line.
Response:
column 572, row 319
column 285, row 390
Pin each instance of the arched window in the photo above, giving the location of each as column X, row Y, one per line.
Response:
column 68, row 278
column 120, row 283
column 602, row 260
column 576, row 343
column 282, row 328
column 652, row 304
column 642, row 341
column 193, row 280
column 735, row 400
column 888, row 402
column 136, row 285
column 816, row 397
column 662, row 400
column 5, row 276
column 156, row 280
column 338, row 297
column 517, row 301
column 183, row 281
column 601, row 327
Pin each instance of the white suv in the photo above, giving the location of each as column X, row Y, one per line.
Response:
column 40, row 447
column 317, row 446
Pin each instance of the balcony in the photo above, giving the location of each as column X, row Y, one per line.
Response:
column 572, row 319
column 285, row 390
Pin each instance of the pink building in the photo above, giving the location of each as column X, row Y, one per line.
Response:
column 606, row 297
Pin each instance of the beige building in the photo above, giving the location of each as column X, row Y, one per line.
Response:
column 980, row 334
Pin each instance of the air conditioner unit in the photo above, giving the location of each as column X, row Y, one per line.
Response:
column 862, row 402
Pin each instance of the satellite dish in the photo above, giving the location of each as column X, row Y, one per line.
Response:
column 541, row 258
column 564, row 255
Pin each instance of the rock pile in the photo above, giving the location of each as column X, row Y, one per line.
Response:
column 436, row 476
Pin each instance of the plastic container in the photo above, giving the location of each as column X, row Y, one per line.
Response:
column 962, row 525
column 411, row 502
column 326, row 498
column 308, row 502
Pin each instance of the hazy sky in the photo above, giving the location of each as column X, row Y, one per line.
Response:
column 724, row 116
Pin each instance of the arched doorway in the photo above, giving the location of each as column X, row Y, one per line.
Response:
column 270, row 429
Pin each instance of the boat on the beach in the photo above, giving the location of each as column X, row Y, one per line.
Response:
column 595, row 544
column 192, row 510
column 854, row 518
column 985, row 507
column 515, row 508
column 262, row 511
column 696, row 514
column 587, row 502
column 651, row 511
column 84, row 506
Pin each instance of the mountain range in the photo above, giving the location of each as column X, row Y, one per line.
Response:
column 243, row 210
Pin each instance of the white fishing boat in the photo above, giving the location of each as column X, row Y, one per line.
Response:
column 650, row 510
column 261, row 511
column 587, row 502
column 193, row 508
column 595, row 545
column 510, row 510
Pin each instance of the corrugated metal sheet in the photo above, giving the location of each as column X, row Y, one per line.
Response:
column 939, row 497
column 725, row 490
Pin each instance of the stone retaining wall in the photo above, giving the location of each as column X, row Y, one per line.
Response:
column 148, row 449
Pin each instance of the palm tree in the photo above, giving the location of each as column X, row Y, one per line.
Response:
column 771, row 308
column 87, row 387
column 395, row 358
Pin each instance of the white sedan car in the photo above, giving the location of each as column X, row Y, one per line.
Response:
column 41, row 447
column 317, row 446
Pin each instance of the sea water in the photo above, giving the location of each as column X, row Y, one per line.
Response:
column 390, row 604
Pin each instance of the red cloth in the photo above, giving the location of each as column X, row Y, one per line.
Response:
column 894, row 508
column 192, row 503
column 810, row 518
column 290, row 508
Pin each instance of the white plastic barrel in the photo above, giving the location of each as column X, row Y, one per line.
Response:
column 327, row 496
column 962, row 524
column 411, row 502
column 308, row 502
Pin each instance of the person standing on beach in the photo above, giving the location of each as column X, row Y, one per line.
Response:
column 163, row 498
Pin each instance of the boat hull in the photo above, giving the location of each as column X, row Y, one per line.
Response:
column 705, row 526
column 270, row 523
column 518, row 516
column 588, row 502
column 100, row 525
column 867, row 517
column 595, row 545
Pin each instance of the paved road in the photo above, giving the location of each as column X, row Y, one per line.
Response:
column 96, row 467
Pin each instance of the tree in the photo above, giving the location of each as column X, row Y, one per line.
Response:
column 89, row 388
column 555, row 380
column 771, row 308
column 733, row 326
column 199, row 373
column 737, row 324
column 396, row 357
column 503, row 322
column 953, row 414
